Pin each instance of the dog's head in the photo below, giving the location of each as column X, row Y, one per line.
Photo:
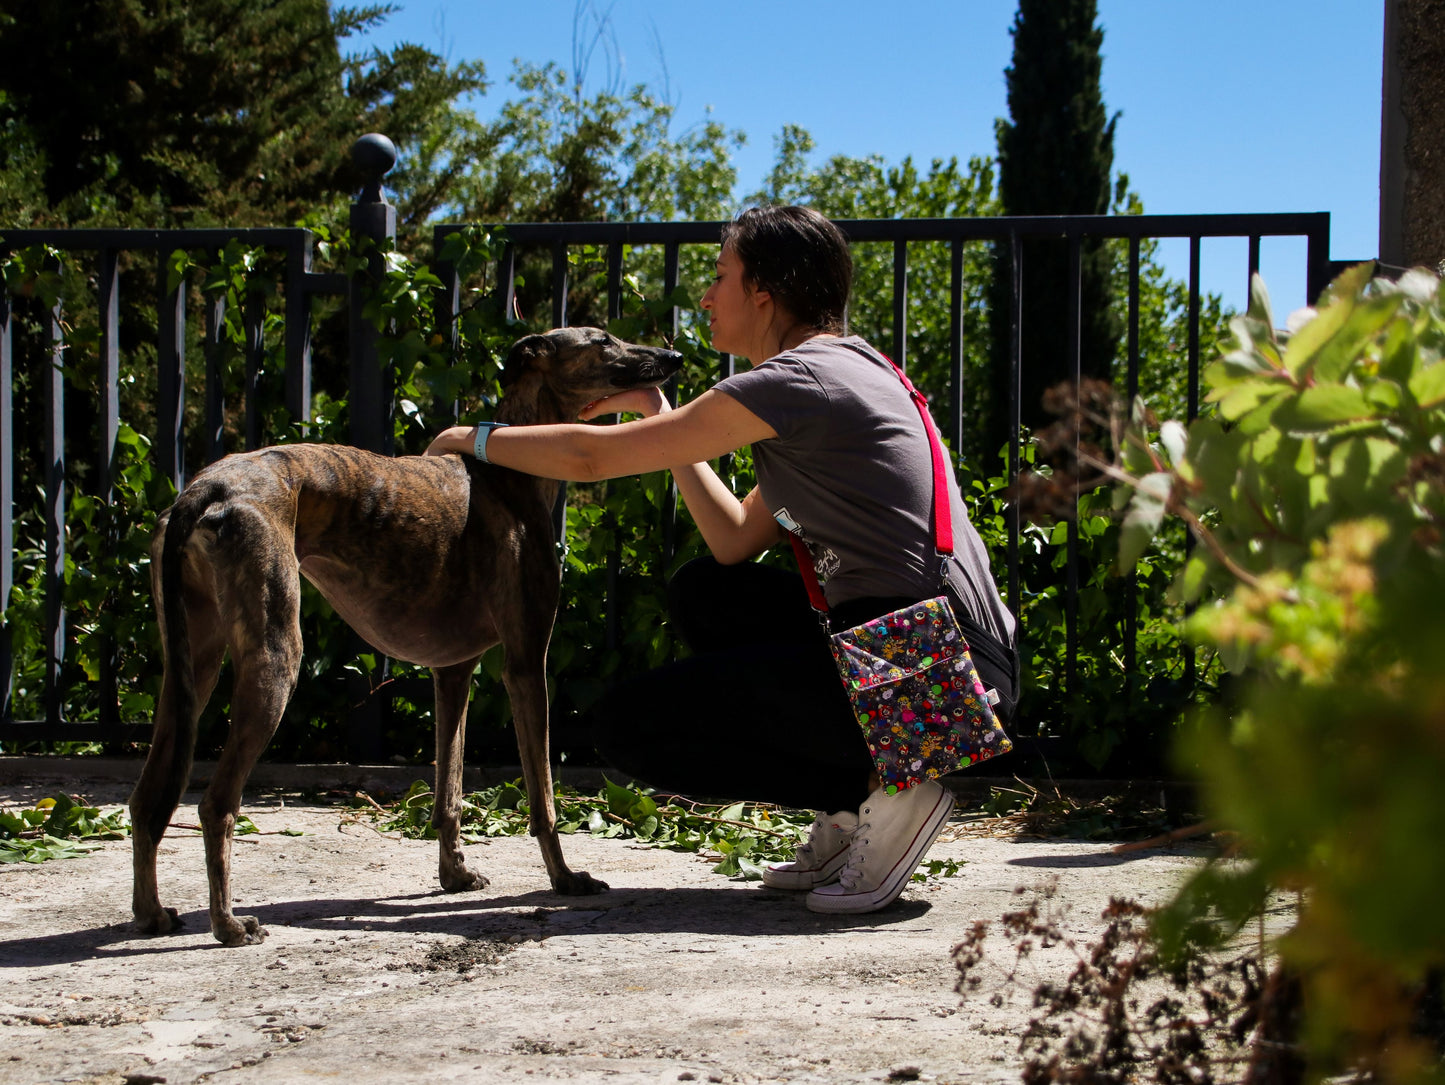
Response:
column 565, row 369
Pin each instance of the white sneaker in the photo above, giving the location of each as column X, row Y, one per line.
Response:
column 819, row 860
column 893, row 834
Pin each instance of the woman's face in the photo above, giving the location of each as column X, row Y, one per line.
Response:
column 738, row 314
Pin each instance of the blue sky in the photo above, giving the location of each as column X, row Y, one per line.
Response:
column 1227, row 106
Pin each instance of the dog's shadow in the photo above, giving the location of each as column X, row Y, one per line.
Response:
column 723, row 911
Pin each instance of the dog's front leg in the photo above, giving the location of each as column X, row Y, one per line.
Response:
column 527, row 687
column 453, row 686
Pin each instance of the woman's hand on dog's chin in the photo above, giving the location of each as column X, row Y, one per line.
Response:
column 644, row 401
column 452, row 439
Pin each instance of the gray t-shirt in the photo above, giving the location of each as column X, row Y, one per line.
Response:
column 851, row 472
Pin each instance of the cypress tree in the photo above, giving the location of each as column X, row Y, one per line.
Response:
column 1056, row 156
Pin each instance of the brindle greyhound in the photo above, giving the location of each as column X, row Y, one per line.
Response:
column 431, row 559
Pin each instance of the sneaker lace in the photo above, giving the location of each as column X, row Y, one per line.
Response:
column 852, row 871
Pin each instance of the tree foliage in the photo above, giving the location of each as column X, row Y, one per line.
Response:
column 197, row 112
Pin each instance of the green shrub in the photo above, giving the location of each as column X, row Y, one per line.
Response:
column 1317, row 493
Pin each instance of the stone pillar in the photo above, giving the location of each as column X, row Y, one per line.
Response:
column 1412, row 135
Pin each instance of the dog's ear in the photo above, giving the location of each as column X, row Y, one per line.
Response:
column 527, row 351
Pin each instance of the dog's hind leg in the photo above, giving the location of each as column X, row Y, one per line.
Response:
column 158, row 792
column 173, row 742
column 266, row 653
column 453, row 688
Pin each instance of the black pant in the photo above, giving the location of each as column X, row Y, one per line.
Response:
column 757, row 711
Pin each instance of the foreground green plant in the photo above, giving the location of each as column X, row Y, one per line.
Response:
column 57, row 828
column 742, row 836
column 1316, row 493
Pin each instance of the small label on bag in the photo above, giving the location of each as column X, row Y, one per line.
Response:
column 993, row 697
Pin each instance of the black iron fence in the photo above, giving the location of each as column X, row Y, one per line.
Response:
column 297, row 284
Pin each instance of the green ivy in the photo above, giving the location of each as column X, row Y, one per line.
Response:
column 57, row 828
column 741, row 836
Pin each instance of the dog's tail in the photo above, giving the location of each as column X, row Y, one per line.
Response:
column 179, row 715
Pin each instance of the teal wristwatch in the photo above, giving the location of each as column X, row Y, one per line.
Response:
column 484, row 430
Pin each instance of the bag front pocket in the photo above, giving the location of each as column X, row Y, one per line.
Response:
column 917, row 694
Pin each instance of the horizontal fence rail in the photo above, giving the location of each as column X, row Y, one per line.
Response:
column 298, row 284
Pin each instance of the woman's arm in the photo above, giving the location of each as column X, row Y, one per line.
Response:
column 682, row 439
column 708, row 427
column 733, row 530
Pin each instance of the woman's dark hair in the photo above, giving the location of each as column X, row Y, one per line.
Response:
column 800, row 258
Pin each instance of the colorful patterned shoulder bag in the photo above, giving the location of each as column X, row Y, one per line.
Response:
column 909, row 675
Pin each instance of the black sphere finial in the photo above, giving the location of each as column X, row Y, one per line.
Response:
column 375, row 155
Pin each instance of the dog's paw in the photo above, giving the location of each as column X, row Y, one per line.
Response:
column 242, row 930
column 161, row 922
column 578, row 883
column 463, row 880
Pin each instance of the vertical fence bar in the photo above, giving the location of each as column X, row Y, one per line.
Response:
column 1193, row 406
column 449, row 305
column 1015, row 409
column 54, row 511
column 1071, row 598
column 614, row 280
column 7, row 498
column 1317, row 257
column 725, row 369
column 507, row 273
column 559, row 284
column 670, row 254
column 559, row 320
column 215, row 436
column 1253, row 265
column 900, row 303
column 373, row 222
column 955, row 347
column 1193, row 412
column 171, row 375
column 614, row 552
column 108, row 305
column 253, row 323
column 1014, row 406
column 1131, row 582
column 298, row 331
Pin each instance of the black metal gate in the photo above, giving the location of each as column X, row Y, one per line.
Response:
column 371, row 406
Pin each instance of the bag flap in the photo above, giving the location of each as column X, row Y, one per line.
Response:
column 898, row 645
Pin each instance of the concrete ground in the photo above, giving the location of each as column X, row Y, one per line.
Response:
column 371, row 974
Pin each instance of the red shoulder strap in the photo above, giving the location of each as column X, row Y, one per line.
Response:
column 942, row 510
column 942, row 507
